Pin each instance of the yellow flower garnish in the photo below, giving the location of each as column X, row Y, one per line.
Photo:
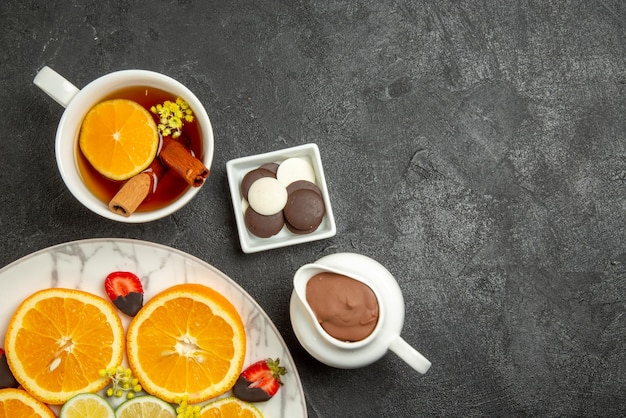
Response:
column 122, row 381
column 184, row 410
column 172, row 115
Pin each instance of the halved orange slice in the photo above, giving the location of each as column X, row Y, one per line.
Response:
column 230, row 407
column 18, row 403
column 59, row 339
column 187, row 341
column 119, row 138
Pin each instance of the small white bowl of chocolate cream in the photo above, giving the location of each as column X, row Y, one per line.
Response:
column 347, row 311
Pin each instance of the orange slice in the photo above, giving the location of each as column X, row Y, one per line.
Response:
column 59, row 339
column 188, row 340
column 230, row 407
column 18, row 403
column 119, row 138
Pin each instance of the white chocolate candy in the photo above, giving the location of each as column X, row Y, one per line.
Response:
column 293, row 169
column 267, row 196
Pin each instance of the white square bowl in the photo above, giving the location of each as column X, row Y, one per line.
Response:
column 236, row 169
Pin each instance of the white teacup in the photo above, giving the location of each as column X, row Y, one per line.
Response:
column 78, row 102
column 385, row 336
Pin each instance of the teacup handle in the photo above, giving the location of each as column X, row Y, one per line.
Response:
column 410, row 355
column 55, row 86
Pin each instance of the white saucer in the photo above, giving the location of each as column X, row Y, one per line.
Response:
column 392, row 299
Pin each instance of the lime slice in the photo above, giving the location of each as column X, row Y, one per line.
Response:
column 87, row 405
column 145, row 407
column 230, row 407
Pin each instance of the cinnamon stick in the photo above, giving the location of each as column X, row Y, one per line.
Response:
column 178, row 158
column 173, row 155
column 136, row 189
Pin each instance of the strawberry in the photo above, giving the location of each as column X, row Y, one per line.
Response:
column 7, row 380
column 259, row 381
column 125, row 291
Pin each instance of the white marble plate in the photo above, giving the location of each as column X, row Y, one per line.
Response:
column 85, row 264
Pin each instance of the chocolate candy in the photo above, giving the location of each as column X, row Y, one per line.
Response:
column 294, row 169
column 263, row 226
column 273, row 167
column 285, row 194
column 304, row 210
column 303, row 184
column 267, row 196
column 299, row 231
column 252, row 176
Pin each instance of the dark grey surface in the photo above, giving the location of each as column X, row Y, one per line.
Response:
column 476, row 149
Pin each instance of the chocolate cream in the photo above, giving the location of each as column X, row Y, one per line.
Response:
column 346, row 308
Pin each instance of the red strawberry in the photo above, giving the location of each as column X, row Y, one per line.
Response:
column 125, row 291
column 7, row 380
column 259, row 381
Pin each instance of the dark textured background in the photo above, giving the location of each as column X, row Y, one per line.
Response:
column 476, row 149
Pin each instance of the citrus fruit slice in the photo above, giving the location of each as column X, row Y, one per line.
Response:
column 230, row 407
column 58, row 340
column 119, row 138
column 186, row 341
column 18, row 403
column 87, row 405
column 145, row 407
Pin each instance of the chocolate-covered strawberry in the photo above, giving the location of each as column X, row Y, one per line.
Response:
column 259, row 381
column 7, row 380
column 125, row 291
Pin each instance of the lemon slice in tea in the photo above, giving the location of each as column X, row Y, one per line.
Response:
column 119, row 138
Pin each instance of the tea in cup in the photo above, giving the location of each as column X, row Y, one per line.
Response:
column 163, row 181
column 347, row 311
